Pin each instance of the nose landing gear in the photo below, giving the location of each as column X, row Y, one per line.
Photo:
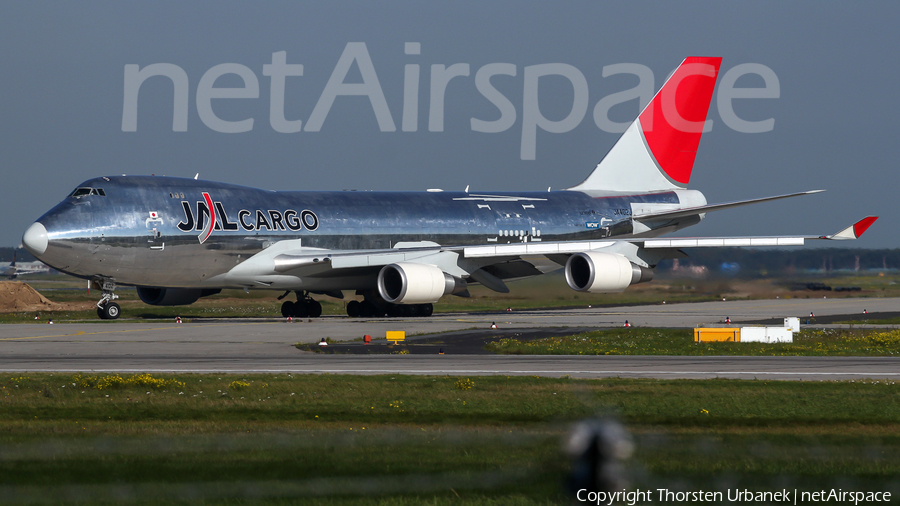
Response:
column 106, row 308
column 108, row 311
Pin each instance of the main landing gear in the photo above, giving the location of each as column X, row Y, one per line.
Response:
column 303, row 308
column 106, row 308
column 376, row 307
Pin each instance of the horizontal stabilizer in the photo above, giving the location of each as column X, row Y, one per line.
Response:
column 693, row 211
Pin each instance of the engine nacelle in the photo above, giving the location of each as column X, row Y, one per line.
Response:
column 172, row 296
column 597, row 272
column 411, row 283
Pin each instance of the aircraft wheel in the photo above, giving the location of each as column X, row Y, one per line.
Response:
column 412, row 310
column 426, row 310
column 353, row 309
column 101, row 313
column 110, row 311
column 287, row 309
column 315, row 309
column 301, row 309
column 367, row 309
column 395, row 310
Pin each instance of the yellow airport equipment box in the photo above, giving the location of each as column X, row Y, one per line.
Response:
column 717, row 334
column 395, row 335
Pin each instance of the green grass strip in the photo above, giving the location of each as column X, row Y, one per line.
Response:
column 641, row 341
column 393, row 439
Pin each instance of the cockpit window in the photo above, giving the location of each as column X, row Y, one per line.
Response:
column 84, row 191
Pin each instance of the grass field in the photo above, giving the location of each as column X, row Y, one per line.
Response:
column 541, row 292
column 549, row 291
column 267, row 439
column 641, row 341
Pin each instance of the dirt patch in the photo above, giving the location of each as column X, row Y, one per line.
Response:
column 19, row 296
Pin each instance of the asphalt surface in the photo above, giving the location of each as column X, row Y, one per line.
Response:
column 268, row 345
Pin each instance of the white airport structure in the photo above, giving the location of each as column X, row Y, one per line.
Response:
column 749, row 334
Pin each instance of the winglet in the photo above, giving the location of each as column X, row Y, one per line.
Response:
column 853, row 231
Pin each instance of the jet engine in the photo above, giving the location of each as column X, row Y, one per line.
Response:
column 596, row 272
column 173, row 296
column 411, row 283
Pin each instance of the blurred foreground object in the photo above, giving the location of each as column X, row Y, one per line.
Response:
column 597, row 448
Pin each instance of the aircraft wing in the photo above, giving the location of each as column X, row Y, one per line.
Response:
column 852, row 232
column 544, row 248
column 486, row 264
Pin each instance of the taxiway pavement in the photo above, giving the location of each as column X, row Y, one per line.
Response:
column 267, row 345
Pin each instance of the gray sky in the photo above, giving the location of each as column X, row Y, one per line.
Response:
column 61, row 99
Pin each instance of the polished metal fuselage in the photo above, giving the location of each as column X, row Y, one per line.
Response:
column 154, row 231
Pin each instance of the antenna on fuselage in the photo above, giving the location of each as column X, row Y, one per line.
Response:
column 467, row 189
column 548, row 188
column 196, row 175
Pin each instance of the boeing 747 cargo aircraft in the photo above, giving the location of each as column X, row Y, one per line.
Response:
column 179, row 239
column 15, row 269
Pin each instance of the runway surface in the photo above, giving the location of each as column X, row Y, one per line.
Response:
column 267, row 345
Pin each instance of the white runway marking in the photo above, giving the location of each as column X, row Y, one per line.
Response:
column 490, row 372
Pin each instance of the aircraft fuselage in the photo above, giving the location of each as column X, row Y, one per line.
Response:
column 176, row 232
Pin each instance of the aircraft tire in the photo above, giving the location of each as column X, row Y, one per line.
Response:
column 367, row 309
column 426, row 310
column 353, row 309
column 101, row 314
column 287, row 309
column 315, row 309
column 111, row 311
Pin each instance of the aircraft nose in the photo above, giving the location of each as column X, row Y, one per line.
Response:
column 35, row 239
